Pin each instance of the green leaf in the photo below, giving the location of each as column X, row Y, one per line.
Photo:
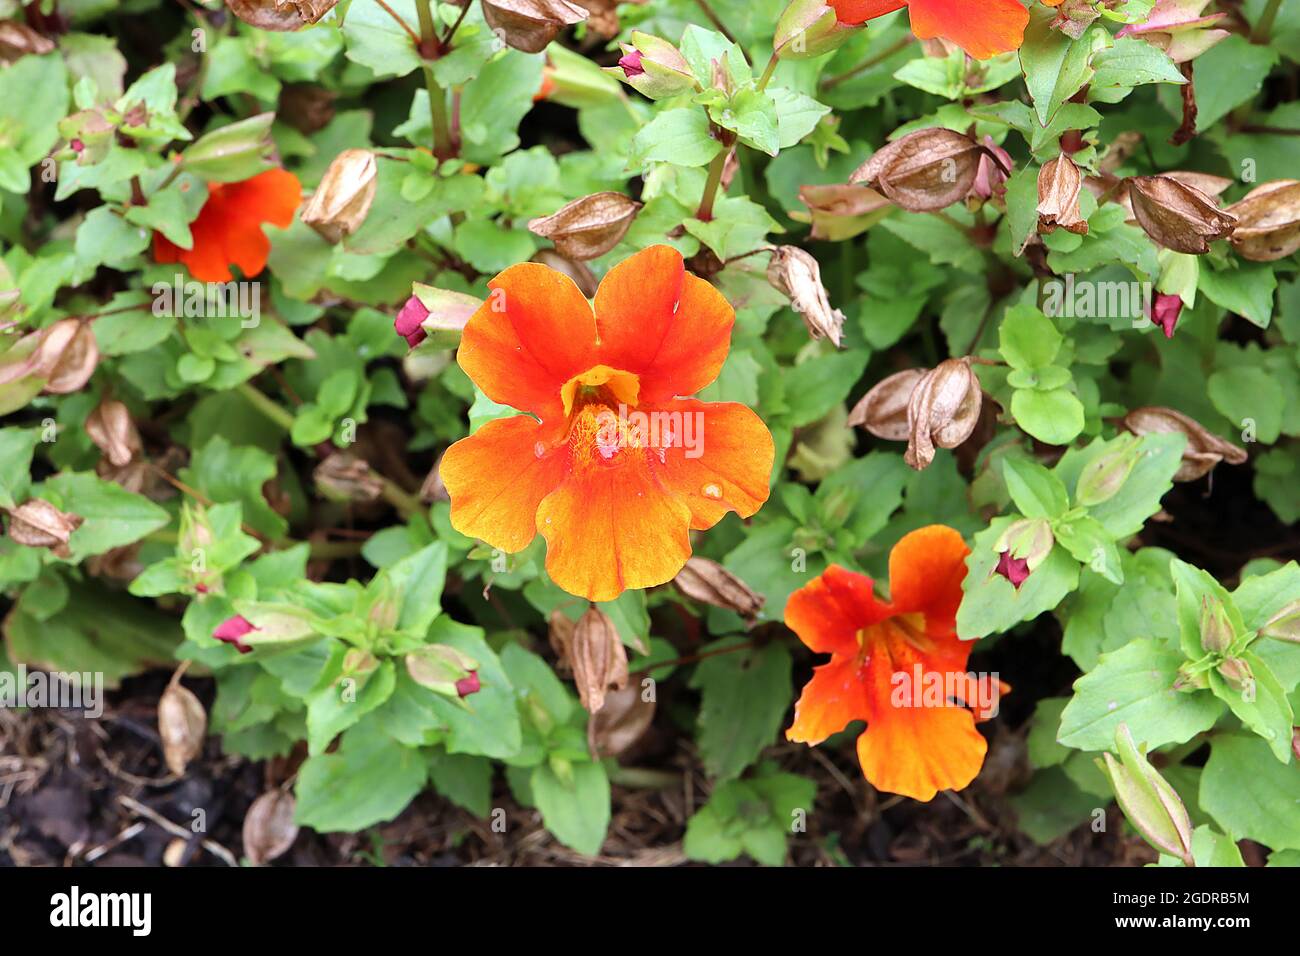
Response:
column 744, row 697
column 679, row 136
column 1134, row 685
column 17, row 445
column 1250, row 794
column 576, row 811
column 1056, row 66
column 368, row 780
column 1035, row 490
column 114, row 517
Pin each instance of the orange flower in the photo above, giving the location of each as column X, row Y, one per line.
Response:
column 896, row 666
column 228, row 230
column 619, row 469
column 983, row 28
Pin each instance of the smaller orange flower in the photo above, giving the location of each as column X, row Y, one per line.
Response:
column 983, row 28
column 228, row 231
column 897, row 665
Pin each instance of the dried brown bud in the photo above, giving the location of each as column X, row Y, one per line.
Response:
column 589, row 227
column 306, row 107
column 604, row 15
column 280, row 15
column 599, row 659
column 1268, row 221
column 559, row 633
column 924, row 171
column 883, row 410
column 111, row 429
column 530, row 25
column 433, row 488
column 1059, row 182
column 339, row 205
column 269, row 829
column 710, row 583
column 582, row 276
column 943, row 411
column 1178, row 216
column 796, row 274
column 38, row 524
column 18, row 39
column 624, row 719
column 1204, row 448
column 64, row 354
column 344, row 477
column 182, row 724
column 840, row 212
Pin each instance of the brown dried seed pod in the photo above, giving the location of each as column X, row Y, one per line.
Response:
column 924, row 171
column 1178, row 216
column 710, row 583
column 883, row 410
column 1059, row 182
column 582, row 276
column 599, row 659
column 340, row 203
column 624, row 719
column 111, row 429
column 269, row 829
column 796, row 274
column 559, row 633
column 530, row 25
column 38, row 524
column 589, row 227
column 1268, row 221
column 343, row 476
column 182, row 725
column 1204, row 448
column 943, row 411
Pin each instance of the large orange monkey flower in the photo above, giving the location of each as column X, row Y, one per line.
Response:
column 983, row 28
column 228, row 231
column 609, row 463
column 916, row 743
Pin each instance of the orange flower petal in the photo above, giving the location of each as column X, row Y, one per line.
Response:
column 918, row 751
column 835, row 696
column 271, row 197
column 534, row 333
column 496, row 480
column 828, row 612
column 720, row 458
column 926, row 569
column 982, row 29
column 667, row 326
column 854, row 12
column 611, row 528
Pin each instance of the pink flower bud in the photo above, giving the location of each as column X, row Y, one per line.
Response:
column 1015, row 570
column 232, row 630
column 468, row 685
column 1166, row 311
column 409, row 321
column 631, row 63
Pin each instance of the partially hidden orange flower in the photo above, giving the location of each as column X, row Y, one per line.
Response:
column 983, row 28
column 610, row 464
column 897, row 665
column 228, row 231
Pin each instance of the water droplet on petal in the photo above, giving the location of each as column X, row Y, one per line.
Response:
column 711, row 491
column 539, row 450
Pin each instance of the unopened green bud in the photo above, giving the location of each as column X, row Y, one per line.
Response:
column 1284, row 625
column 443, row 670
column 1029, row 538
column 809, row 28
column 1216, row 630
column 233, row 153
column 1237, row 673
column 1148, row 801
column 1105, row 475
column 654, row 67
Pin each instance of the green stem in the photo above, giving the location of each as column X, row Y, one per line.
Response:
column 712, row 186
column 430, row 46
column 716, row 20
column 767, row 74
column 831, row 82
column 407, row 504
column 1264, row 27
column 270, row 409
